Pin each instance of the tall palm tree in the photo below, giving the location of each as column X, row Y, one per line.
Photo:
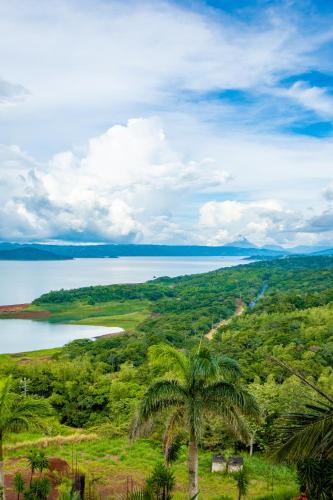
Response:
column 197, row 385
column 17, row 414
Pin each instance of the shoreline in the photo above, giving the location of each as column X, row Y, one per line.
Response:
column 36, row 339
column 18, row 311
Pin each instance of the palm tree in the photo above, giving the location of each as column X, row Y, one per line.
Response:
column 242, row 481
column 43, row 461
column 198, row 384
column 161, row 482
column 33, row 459
column 18, row 484
column 16, row 414
column 307, row 434
column 307, row 440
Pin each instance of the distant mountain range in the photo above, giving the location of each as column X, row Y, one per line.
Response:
column 242, row 247
column 112, row 251
column 30, row 253
column 327, row 251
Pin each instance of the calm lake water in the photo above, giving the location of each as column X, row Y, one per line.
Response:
column 21, row 335
column 23, row 281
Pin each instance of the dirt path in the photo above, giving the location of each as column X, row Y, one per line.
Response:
column 240, row 307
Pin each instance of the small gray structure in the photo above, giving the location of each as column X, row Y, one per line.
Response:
column 235, row 464
column 219, row 463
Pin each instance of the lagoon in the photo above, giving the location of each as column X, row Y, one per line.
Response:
column 22, row 335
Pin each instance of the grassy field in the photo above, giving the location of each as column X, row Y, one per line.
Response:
column 23, row 357
column 124, row 314
column 110, row 463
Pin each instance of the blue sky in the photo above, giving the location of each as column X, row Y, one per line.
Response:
column 167, row 122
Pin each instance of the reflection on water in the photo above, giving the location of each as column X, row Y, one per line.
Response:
column 21, row 335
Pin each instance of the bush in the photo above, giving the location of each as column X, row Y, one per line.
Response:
column 161, row 482
column 39, row 489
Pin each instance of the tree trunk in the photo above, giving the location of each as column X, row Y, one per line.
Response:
column 2, row 473
column 193, row 469
column 252, row 437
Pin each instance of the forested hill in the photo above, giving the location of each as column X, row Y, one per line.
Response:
column 188, row 306
column 288, row 314
column 30, row 253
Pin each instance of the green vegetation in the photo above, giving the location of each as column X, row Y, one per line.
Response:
column 112, row 460
column 97, row 387
column 18, row 484
column 201, row 385
column 126, row 314
column 306, row 440
column 242, row 481
column 17, row 413
column 180, row 309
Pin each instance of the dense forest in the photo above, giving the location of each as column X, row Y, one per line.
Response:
column 286, row 321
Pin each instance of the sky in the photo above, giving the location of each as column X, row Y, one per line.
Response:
column 177, row 122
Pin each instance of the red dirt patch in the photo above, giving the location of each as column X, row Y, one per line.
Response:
column 57, row 466
column 19, row 311
column 112, row 487
column 13, row 308
column 32, row 314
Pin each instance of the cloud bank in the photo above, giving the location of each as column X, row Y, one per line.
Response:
column 128, row 186
column 131, row 185
column 240, row 142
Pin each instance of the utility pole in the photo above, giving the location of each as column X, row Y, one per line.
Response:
column 24, row 384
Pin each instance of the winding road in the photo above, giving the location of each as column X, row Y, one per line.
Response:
column 240, row 308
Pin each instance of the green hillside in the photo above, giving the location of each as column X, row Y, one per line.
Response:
column 95, row 388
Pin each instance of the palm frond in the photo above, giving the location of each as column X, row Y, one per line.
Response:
column 307, row 435
column 226, row 394
column 159, row 396
column 170, row 358
column 204, row 366
column 307, row 382
column 28, row 413
column 195, row 417
column 17, row 413
column 5, row 399
column 233, row 421
column 174, row 425
column 230, row 366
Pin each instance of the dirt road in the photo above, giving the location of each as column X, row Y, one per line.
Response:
column 240, row 307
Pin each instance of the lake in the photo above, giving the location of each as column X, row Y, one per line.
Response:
column 23, row 281
column 21, row 335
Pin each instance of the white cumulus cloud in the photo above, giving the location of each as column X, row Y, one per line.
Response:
column 126, row 187
column 261, row 221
